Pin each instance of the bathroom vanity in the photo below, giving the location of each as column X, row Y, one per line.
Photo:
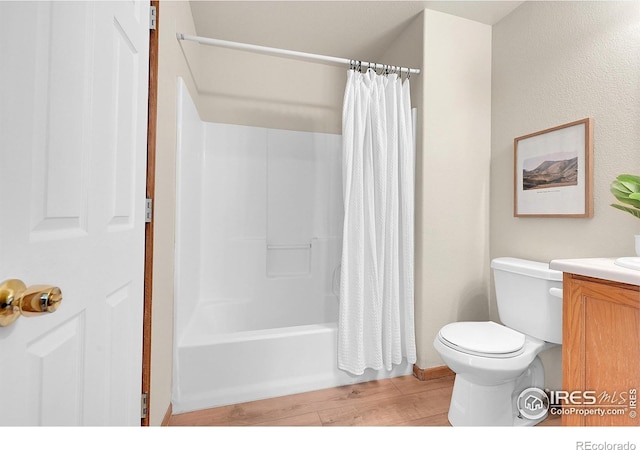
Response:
column 600, row 342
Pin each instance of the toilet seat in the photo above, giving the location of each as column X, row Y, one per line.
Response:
column 487, row 339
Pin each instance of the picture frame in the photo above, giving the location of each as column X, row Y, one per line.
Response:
column 553, row 172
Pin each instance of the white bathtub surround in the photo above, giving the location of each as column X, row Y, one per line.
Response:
column 258, row 240
column 376, row 326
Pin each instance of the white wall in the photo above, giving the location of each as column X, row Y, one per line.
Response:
column 452, row 223
column 283, row 93
column 553, row 63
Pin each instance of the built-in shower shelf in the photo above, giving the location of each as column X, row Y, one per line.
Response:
column 288, row 260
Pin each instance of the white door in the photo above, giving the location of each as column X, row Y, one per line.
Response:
column 73, row 120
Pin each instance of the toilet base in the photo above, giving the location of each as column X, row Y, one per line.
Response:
column 473, row 404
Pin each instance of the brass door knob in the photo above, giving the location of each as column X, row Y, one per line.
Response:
column 17, row 300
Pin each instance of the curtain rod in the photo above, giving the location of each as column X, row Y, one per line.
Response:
column 292, row 54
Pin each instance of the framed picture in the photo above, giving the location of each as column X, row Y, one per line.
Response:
column 553, row 172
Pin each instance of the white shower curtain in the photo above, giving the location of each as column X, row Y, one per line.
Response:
column 375, row 325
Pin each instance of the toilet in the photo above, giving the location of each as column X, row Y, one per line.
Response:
column 494, row 363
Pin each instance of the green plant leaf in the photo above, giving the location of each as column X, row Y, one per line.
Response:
column 630, row 201
column 619, row 195
column 634, row 212
column 616, row 186
column 631, row 186
column 630, row 198
column 626, row 188
column 631, row 181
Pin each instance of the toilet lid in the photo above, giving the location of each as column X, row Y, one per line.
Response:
column 487, row 338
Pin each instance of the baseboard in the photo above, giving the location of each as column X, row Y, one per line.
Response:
column 432, row 372
column 167, row 416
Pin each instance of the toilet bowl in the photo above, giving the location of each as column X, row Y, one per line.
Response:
column 487, row 379
column 494, row 363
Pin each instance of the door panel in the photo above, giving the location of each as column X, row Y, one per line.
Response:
column 124, row 67
column 60, row 126
column 73, row 115
column 55, row 375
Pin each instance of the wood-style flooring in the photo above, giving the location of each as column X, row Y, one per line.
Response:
column 402, row 401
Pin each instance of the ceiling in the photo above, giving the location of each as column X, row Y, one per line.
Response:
column 348, row 29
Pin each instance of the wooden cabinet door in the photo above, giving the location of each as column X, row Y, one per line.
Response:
column 601, row 350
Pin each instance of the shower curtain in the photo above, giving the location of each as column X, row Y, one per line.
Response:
column 375, row 324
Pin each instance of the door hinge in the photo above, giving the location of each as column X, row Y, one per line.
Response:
column 144, row 405
column 148, row 210
column 153, row 17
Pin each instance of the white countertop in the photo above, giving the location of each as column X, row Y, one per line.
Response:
column 603, row 268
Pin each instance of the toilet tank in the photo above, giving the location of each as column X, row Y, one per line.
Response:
column 529, row 297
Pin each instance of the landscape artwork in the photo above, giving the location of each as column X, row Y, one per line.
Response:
column 549, row 171
column 553, row 172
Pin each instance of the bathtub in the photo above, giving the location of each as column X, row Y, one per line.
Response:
column 233, row 367
column 259, row 219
